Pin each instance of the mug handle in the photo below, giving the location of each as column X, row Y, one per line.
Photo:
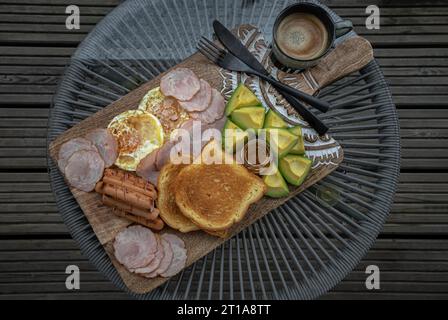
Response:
column 343, row 27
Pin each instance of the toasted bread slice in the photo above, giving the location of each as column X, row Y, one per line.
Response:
column 166, row 203
column 215, row 196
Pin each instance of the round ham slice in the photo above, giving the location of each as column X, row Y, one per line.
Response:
column 188, row 125
column 201, row 100
column 181, row 83
column 106, row 144
column 163, row 156
column 155, row 263
column 165, row 262
column 178, row 262
column 84, row 169
column 70, row 147
column 215, row 110
column 147, row 167
column 150, row 166
column 135, row 247
column 182, row 146
column 153, row 177
column 218, row 124
column 174, row 240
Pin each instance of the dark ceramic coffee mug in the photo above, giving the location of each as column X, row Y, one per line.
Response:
column 303, row 34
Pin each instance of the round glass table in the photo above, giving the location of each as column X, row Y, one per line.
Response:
column 301, row 249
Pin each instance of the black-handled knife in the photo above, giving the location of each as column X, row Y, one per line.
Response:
column 234, row 45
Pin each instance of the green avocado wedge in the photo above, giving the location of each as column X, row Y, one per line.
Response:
column 248, row 117
column 277, row 187
column 273, row 120
column 241, row 97
column 281, row 140
column 294, row 168
column 299, row 147
column 233, row 137
column 229, row 125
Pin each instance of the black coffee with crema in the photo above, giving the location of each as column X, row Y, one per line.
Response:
column 302, row 36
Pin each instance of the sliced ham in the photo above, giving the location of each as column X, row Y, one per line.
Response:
column 150, row 166
column 203, row 135
column 84, row 169
column 201, row 100
column 165, row 262
column 188, row 125
column 179, row 259
column 106, row 144
column 215, row 110
column 154, row 264
column 174, row 240
column 153, row 177
column 218, row 124
column 211, row 132
column 183, row 140
column 180, row 83
column 135, row 247
column 163, row 156
column 70, row 147
column 147, row 167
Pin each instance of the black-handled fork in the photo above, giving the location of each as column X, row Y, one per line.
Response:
column 243, row 67
column 228, row 61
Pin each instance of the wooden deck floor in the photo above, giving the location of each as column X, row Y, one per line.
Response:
column 35, row 247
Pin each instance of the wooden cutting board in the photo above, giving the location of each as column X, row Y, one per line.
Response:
column 326, row 153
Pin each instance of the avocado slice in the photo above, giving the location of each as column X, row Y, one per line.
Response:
column 235, row 134
column 299, row 147
column 273, row 120
column 277, row 186
column 294, row 168
column 248, row 117
column 230, row 125
column 241, row 97
column 283, row 141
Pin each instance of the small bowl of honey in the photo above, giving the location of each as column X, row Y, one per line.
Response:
column 256, row 156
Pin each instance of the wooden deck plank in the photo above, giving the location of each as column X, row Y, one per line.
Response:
column 54, row 255
column 419, row 20
column 332, row 3
column 357, row 287
column 44, row 27
column 52, row 9
column 98, row 3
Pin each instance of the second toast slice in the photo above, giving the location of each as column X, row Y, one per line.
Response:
column 216, row 196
